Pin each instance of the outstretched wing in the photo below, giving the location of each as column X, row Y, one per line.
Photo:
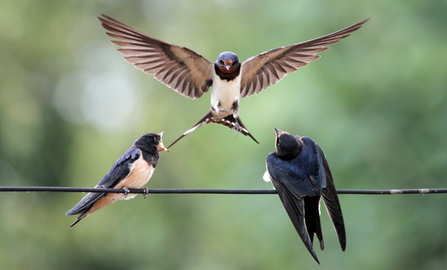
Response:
column 267, row 68
column 180, row 68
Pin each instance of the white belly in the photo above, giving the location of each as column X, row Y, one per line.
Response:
column 224, row 94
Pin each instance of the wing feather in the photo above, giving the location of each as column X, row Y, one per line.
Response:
column 332, row 203
column 281, row 61
column 161, row 59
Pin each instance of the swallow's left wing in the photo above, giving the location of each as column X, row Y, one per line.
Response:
column 332, row 203
column 267, row 68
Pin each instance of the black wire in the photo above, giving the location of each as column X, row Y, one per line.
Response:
column 215, row 191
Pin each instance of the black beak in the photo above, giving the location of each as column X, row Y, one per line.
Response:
column 277, row 131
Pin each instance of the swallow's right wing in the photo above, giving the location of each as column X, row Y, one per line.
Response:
column 180, row 68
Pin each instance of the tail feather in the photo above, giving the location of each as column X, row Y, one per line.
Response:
column 295, row 209
column 204, row 120
column 79, row 218
column 233, row 123
column 229, row 121
column 312, row 217
column 84, row 206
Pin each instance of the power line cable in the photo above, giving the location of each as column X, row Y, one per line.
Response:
column 216, row 191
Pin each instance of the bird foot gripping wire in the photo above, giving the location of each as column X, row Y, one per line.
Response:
column 126, row 192
column 145, row 192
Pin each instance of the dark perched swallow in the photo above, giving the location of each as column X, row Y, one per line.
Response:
column 300, row 174
column 132, row 170
column 191, row 75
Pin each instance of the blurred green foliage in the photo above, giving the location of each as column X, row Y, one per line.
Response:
column 70, row 106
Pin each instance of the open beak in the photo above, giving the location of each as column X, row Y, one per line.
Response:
column 278, row 131
column 160, row 146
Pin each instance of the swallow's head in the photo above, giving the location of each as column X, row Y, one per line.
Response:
column 287, row 146
column 228, row 62
column 151, row 142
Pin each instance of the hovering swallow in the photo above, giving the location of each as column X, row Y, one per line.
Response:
column 132, row 170
column 191, row 75
column 300, row 174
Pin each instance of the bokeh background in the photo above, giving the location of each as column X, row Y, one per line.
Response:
column 70, row 106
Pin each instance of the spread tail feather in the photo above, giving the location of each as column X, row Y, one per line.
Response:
column 229, row 121
column 204, row 120
column 236, row 123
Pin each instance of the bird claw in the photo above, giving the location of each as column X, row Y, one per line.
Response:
column 236, row 127
column 126, row 192
column 145, row 192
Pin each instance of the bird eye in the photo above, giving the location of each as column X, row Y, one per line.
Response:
column 221, row 62
column 156, row 139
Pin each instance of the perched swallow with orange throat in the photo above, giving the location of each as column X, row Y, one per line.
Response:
column 131, row 171
column 300, row 174
column 191, row 75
